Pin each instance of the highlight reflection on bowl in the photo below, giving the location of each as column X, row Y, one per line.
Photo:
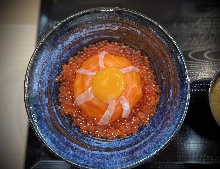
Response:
column 88, row 27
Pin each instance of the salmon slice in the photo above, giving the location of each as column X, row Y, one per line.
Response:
column 124, row 103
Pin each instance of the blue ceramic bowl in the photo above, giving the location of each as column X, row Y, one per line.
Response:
column 71, row 35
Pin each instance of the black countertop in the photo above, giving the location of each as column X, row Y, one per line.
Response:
column 195, row 26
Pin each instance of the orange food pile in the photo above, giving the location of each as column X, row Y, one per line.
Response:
column 109, row 90
column 106, row 87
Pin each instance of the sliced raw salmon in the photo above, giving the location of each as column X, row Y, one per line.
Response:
column 106, row 112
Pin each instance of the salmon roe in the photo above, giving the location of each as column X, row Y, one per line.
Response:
column 122, row 127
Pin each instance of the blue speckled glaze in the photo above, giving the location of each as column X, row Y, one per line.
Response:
column 71, row 35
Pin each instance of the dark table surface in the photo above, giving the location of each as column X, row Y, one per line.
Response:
column 195, row 26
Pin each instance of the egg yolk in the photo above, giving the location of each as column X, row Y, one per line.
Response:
column 108, row 84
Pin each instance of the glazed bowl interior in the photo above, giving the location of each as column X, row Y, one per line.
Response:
column 70, row 36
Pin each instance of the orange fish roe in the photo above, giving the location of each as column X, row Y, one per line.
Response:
column 139, row 115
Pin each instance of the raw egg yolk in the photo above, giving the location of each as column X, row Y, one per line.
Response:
column 108, row 84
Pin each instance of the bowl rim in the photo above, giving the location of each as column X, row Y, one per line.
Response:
column 105, row 9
